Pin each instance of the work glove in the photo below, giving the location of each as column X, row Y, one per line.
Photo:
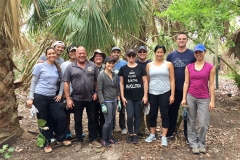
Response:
column 104, row 108
column 119, row 105
column 185, row 113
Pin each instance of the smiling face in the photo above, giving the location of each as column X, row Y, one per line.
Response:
column 81, row 54
column 59, row 48
column 131, row 57
column 72, row 54
column 51, row 55
column 199, row 55
column 159, row 54
column 109, row 65
column 142, row 55
column 116, row 54
column 182, row 40
column 98, row 58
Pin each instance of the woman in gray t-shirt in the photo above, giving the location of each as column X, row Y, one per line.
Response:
column 43, row 96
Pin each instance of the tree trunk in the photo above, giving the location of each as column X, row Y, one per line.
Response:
column 3, row 6
column 9, row 122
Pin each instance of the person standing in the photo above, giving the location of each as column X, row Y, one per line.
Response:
column 98, row 58
column 180, row 58
column 83, row 76
column 134, row 90
column 142, row 60
column 43, row 96
column 59, row 47
column 199, row 80
column 109, row 96
column 161, row 80
column 116, row 53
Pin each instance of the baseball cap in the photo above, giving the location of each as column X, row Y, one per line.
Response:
column 110, row 58
column 57, row 43
column 70, row 48
column 199, row 47
column 98, row 51
column 130, row 51
column 143, row 48
column 116, row 48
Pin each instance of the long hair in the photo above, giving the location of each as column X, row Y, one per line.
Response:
column 55, row 63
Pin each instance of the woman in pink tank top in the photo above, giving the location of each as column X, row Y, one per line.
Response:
column 198, row 95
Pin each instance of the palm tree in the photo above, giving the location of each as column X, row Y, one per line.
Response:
column 9, row 39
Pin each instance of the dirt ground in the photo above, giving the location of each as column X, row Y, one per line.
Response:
column 223, row 138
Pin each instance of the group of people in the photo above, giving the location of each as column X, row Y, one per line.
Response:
column 104, row 84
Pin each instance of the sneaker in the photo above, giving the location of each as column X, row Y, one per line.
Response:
column 83, row 135
column 106, row 143
column 113, row 140
column 53, row 140
column 65, row 143
column 48, row 149
column 124, row 131
column 135, row 139
column 170, row 137
column 68, row 135
column 164, row 141
column 150, row 138
column 195, row 151
column 202, row 150
column 129, row 139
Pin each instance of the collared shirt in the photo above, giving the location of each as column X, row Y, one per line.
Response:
column 83, row 80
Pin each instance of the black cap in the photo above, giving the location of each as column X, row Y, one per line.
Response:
column 131, row 51
column 110, row 58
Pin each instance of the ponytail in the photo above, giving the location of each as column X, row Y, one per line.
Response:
column 58, row 67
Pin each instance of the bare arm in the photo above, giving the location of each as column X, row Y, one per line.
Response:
column 211, row 88
column 70, row 103
column 122, row 91
column 147, row 70
column 145, row 88
column 185, row 87
column 172, row 82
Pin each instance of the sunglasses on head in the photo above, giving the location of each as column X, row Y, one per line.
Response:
column 131, row 55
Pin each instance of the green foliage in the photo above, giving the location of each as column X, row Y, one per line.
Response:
column 7, row 152
column 41, row 122
column 40, row 140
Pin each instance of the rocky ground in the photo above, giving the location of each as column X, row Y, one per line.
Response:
column 223, row 138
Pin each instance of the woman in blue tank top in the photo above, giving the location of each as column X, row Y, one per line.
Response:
column 43, row 96
column 160, row 74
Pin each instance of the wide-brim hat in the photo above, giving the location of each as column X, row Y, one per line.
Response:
column 98, row 51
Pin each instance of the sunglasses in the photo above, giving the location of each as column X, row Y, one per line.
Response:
column 142, row 51
column 131, row 55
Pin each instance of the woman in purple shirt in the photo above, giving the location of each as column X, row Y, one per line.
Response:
column 199, row 80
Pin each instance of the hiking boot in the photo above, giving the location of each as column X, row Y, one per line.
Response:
column 164, row 141
column 48, row 149
column 195, row 151
column 106, row 143
column 129, row 139
column 65, row 143
column 135, row 139
column 124, row 131
column 113, row 140
column 150, row 138
column 202, row 150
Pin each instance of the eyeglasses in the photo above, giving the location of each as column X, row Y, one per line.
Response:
column 142, row 51
column 131, row 55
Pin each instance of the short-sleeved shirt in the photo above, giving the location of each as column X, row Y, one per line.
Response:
column 58, row 60
column 48, row 77
column 198, row 80
column 63, row 68
column 133, row 83
column 118, row 65
column 180, row 61
column 83, row 80
column 144, row 64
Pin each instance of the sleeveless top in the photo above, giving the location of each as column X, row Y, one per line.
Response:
column 159, row 79
column 198, row 80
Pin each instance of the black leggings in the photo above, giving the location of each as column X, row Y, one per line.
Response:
column 133, row 116
column 161, row 101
